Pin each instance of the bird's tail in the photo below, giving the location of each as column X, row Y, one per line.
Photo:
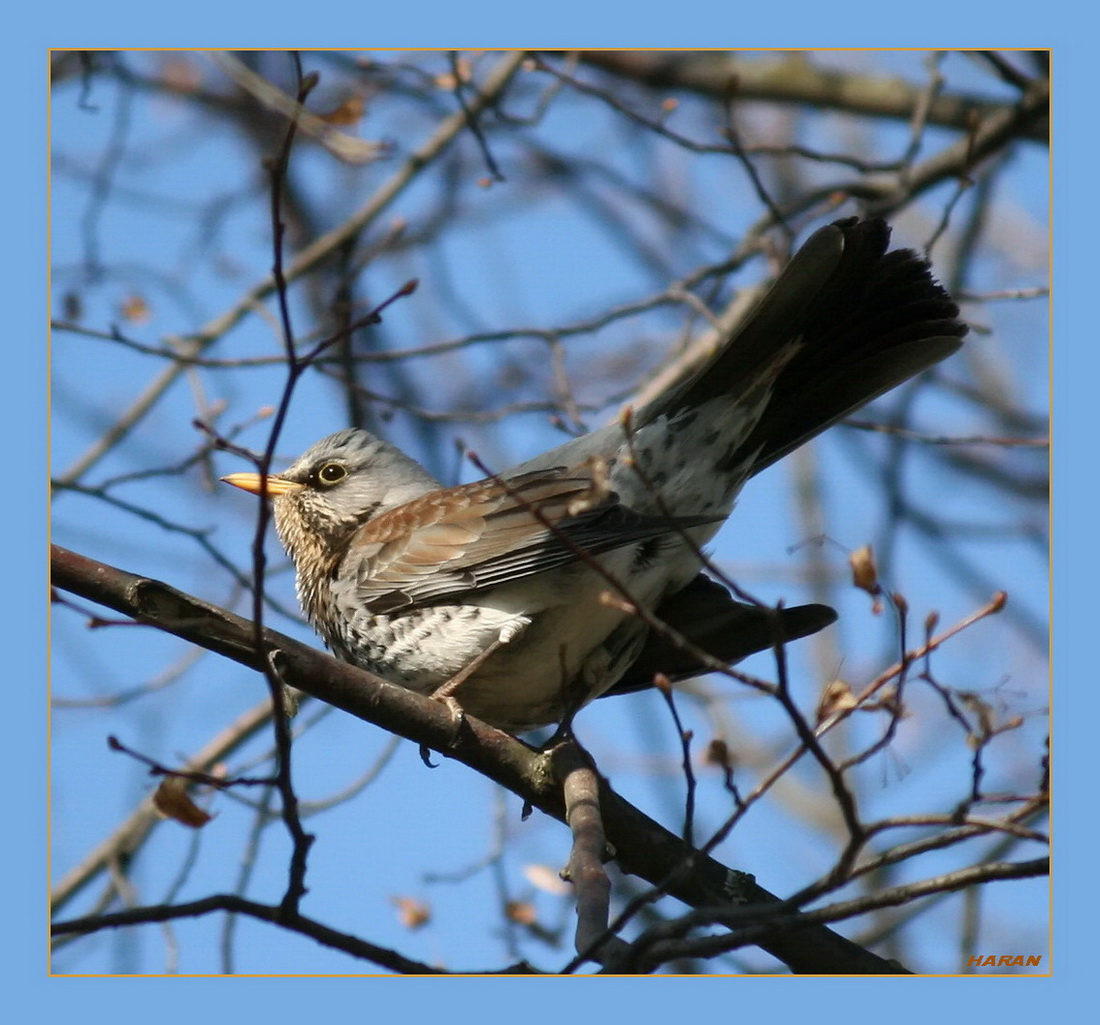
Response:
column 845, row 322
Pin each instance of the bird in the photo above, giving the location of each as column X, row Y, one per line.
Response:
column 521, row 597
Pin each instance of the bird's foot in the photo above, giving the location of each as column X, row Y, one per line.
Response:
column 445, row 693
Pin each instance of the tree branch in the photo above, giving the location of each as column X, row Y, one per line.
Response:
column 644, row 848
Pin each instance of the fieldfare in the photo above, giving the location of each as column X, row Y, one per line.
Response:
column 525, row 595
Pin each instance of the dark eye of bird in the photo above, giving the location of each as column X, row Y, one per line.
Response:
column 331, row 473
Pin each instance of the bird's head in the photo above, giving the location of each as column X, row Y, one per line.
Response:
column 334, row 487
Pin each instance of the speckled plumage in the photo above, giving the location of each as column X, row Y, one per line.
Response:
column 414, row 581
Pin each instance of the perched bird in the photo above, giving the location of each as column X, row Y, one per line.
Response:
column 495, row 595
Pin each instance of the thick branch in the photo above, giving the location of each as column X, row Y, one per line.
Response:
column 793, row 79
column 643, row 847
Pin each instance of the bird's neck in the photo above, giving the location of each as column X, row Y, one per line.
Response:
column 316, row 560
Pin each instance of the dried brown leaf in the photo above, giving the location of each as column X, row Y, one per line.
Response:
column 173, row 802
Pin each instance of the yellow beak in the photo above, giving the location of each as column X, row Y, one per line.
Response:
column 254, row 482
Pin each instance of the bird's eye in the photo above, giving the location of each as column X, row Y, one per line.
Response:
column 331, row 473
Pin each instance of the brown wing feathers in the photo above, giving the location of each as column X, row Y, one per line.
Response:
column 448, row 542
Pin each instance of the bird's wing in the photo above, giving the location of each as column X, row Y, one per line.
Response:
column 453, row 541
column 708, row 618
